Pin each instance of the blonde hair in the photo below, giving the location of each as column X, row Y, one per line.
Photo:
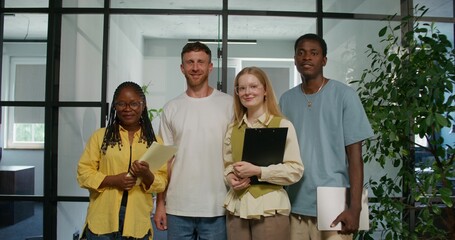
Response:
column 270, row 102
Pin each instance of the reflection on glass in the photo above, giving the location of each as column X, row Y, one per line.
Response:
column 24, row 26
column 274, row 50
column 24, row 71
column 277, row 5
column 76, row 125
column 26, row 3
column 175, row 4
column 81, row 57
column 83, row 3
column 440, row 8
column 21, row 220
column 269, row 28
column 70, row 218
column 149, row 52
column 347, row 42
column 388, row 7
column 443, row 28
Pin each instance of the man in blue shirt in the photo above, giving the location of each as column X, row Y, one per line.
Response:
column 331, row 124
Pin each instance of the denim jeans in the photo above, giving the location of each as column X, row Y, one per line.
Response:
column 114, row 235
column 192, row 228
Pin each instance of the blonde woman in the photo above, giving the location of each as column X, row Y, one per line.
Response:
column 258, row 211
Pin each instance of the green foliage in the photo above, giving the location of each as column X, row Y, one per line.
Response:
column 408, row 91
column 153, row 112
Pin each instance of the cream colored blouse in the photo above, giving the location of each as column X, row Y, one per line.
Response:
column 289, row 172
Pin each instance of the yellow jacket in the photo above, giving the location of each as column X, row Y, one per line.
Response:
column 104, row 206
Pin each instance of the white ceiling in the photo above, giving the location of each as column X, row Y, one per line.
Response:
column 34, row 26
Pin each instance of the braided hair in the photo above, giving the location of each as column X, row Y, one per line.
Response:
column 112, row 134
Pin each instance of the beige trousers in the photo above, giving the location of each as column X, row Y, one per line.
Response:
column 306, row 228
column 267, row 228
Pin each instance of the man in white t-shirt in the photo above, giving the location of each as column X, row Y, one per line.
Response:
column 196, row 123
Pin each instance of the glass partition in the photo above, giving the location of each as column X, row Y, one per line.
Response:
column 81, row 57
column 273, row 50
column 347, row 42
column 79, row 123
column 70, row 219
column 83, row 3
column 21, row 220
column 26, row 3
column 176, row 4
column 283, row 5
column 25, row 27
column 149, row 52
column 441, row 8
column 388, row 7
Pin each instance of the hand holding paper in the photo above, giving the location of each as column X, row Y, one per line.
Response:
column 157, row 155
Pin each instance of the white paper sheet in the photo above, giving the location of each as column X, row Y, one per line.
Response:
column 331, row 201
column 157, row 155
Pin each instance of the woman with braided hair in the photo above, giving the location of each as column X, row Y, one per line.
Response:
column 108, row 168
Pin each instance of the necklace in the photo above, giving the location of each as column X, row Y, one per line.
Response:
column 309, row 102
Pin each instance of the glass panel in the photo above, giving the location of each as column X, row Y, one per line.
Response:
column 175, row 4
column 21, row 220
column 448, row 133
column 26, row 3
column 20, row 155
column 83, row 3
column 347, row 42
column 281, row 5
column 24, row 77
column 20, row 26
column 79, row 123
column 70, row 219
column 389, row 7
column 23, row 127
column 274, row 51
column 81, row 57
column 441, row 8
column 146, row 50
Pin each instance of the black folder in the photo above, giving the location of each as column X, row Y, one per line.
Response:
column 263, row 147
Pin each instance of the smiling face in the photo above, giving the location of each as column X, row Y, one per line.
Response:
column 196, row 66
column 129, row 106
column 251, row 92
column 309, row 59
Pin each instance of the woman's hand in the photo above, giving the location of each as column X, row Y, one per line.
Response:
column 236, row 182
column 122, row 181
column 141, row 170
column 245, row 169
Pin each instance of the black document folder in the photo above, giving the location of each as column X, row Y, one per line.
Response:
column 263, row 147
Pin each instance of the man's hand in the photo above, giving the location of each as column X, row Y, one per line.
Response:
column 160, row 218
column 349, row 219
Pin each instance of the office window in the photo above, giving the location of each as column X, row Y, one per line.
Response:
column 24, row 126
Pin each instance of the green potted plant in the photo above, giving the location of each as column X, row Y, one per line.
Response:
column 408, row 94
column 152, row 112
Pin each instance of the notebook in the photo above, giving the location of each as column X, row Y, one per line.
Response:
column 263, row 147
column 331, row 201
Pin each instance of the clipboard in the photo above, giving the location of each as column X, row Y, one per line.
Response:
column 263, row 147
column 331, row 201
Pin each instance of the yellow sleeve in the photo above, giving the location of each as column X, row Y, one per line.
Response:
column 88, row 175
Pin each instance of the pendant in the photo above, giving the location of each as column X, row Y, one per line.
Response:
column 309, row 104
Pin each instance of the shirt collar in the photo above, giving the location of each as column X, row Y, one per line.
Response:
column 261, row 120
